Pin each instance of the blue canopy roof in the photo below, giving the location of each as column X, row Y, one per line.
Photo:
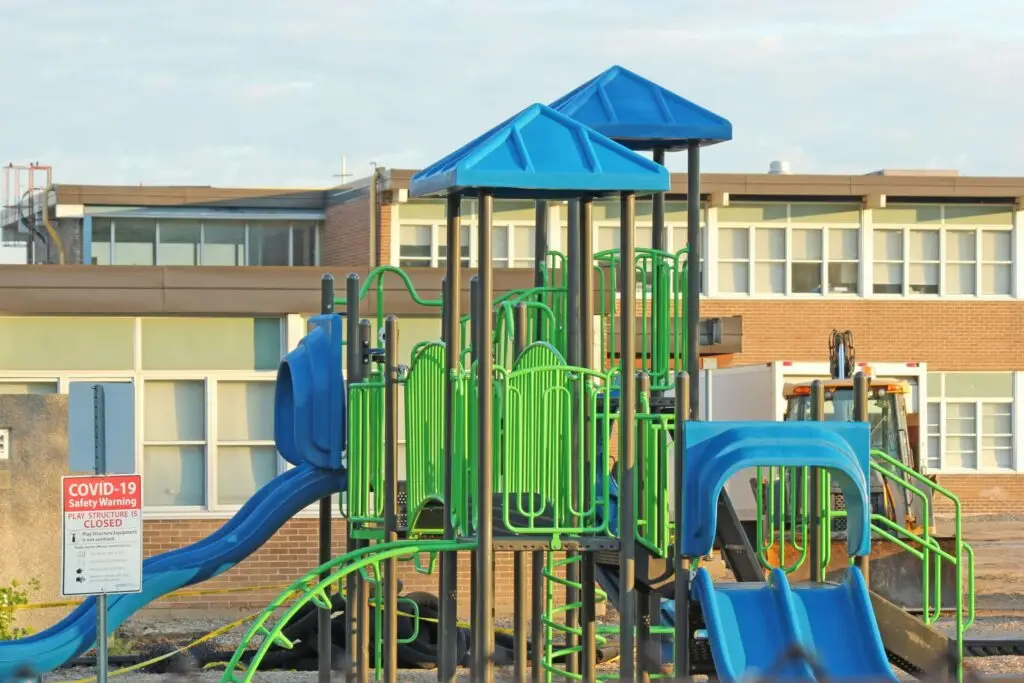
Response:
column 541, row 154
column 640, row 114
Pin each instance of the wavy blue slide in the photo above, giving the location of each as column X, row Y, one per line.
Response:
column 253, row 525
column 751, row 627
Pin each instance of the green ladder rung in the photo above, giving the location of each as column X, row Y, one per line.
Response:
column 276, row 639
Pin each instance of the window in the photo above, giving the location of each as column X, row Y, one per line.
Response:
column 734, row 260
column 970, row 421
column 843, row 260
column 246, row 456
column 525, row 254
column 174, row 446
column 943, row 249
column 415, row 245
column 805, row 268
column 769, row 260
column 192, row 242
column 17, row 387
column 464, row 245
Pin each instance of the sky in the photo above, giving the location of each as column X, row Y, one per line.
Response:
column 272, row 93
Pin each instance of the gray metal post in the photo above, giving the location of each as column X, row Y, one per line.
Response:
column 540, row 249
column 485, row 443
column 520, row 637
column 860, row 414
column 682, row 566
column 390, row 497
column 100, row 439
column 323, row 620
column 588, row 567
column 659, row 240
column 643, row 603
column 448, row 627
column 475, row 316
column 814, row 526
column 693, row 274
column 573, row 267
column 627, row 415
column 354, row 374
column 363, row 590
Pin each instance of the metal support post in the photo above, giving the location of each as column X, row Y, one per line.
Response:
column 475, row 316
column 540, row 250
column 861, row 388
column 354, row 375
column 323, row 617
column 391, row 497
column 573, row 266
column 100, row 435
column 693, row 274
column 588, row 566
column 363, row 590
column 449, row 593
column 683, row 633
column 485, row 445
column 520, row 608
column 815, row 542
column 627, row 416
column 643, row 603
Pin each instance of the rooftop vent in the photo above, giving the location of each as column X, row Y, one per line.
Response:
column 929, row 172
column 779, row 167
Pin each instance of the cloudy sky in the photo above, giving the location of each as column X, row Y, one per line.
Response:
column 275, row 92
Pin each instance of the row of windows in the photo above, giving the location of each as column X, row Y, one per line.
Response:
column 779, row 260
column 191, row 242
column 970, row 419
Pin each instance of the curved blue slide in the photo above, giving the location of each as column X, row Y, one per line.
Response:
column 752, row 627
column 253, row 525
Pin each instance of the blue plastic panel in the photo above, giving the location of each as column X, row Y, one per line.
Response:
column 539, row 153
column 309, row 400
column 641, row 114
column 750, row 627
column 717, row 450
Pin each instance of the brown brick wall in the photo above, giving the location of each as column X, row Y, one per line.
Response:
column 384, row 215
column 983, row 494
column 968, row 335
column 289, row 554
column 347, row 234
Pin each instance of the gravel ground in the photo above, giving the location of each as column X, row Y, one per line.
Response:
column 998, row 542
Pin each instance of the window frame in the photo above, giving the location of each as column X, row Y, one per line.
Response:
column 939, row 399
column 752, row 260
column 248, row 224
column 439, row 229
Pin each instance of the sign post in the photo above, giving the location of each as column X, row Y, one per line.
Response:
column 102, row 534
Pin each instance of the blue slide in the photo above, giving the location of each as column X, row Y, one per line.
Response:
column 253, row 525
column 752, row 626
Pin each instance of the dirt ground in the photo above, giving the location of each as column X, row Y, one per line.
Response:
column 998, row 544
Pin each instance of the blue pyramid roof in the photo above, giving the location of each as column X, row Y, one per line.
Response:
column 541, row 154
column 641, row 114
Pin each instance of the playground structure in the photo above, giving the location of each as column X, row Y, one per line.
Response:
column 509, row 423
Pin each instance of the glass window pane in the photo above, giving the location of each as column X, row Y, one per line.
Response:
column 211, row 343
column 414, row 249
column 771, row 244
column 995, row 245
column 643, row 237
column 245, row 411
column 174, row 411
column 179, row 243
column 733, row 278
column 268, row 244
column 464, row 246
column 996, row 457
column 996, row 278
column 996, row 419
column 888, row 245
column 960, row 245
column 963, row 414
column 525, row 247
column 242, row 470
column 807, row 244
column 979, row 385
column 607, row 238
column 173, row 475
column 770, row 278
column 843, row 244
column 960, row 278
column 843, row 277
column 934, row 413
column 23, row 388
column 134, row 242
column 304, row 244
column 806, row 278
column 924, row 278
column 101, row 241
column 888, row 278
column 223, row 243
column 733, row 243
column 924, row 245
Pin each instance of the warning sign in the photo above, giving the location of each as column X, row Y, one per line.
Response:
column 102, row 550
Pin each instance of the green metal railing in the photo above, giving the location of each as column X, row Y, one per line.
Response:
column 795, row 488
column 424, row 433
column 365, row 456
column 654, row 520
column 314, row 587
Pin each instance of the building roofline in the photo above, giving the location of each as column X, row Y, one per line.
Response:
column 181, row 195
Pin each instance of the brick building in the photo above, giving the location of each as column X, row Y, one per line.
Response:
column 194, row 294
